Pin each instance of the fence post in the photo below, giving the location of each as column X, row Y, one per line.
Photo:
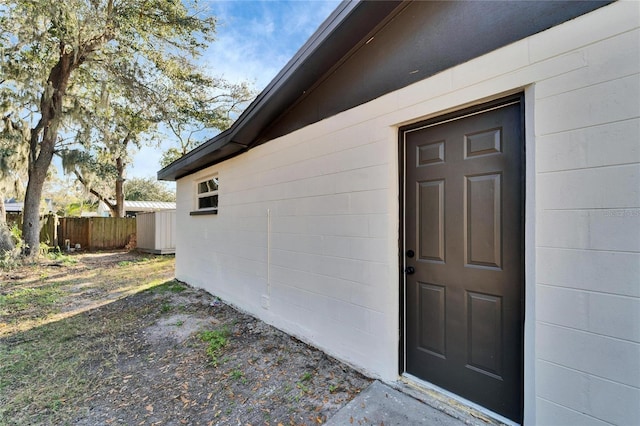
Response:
column 53, row 228
column 89, row 232
column 62, row 232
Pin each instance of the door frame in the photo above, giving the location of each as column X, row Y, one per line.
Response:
column 459, row 114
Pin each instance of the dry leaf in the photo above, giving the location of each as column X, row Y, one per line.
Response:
column 149, row 408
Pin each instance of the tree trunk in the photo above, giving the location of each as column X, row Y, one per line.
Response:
column 42, row 146
column 3, row 210
column 43, row 137
column 31, row 213
column 120, row 167
column 120, row 197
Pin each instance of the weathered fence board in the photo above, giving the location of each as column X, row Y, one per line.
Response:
column 97, row 233
column 48, row 227
column 92, row 233
column 49, row 230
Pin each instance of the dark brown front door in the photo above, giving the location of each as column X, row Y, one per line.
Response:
column 464, row 254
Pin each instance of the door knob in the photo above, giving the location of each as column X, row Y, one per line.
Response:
column 410, row 253
column 410, row 270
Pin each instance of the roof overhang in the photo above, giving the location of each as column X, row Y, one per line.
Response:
column 327, row 75
column 336, row 36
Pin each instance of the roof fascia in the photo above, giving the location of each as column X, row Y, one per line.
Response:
column 256, row 117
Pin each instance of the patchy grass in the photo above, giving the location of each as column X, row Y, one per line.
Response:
column 217, row 340
column 113, row 340
column 39, row 293
column 34, row 301
column 141, row 259
column 169, row 287
column 237, row 374
column 49, row 337
column 48, row 366
column 62, row 258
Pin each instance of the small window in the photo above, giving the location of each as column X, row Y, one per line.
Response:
column 207, row 197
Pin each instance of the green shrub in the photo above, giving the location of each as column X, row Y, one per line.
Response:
column 10, row 246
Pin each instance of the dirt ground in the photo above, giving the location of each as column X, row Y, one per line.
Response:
column 111, row 338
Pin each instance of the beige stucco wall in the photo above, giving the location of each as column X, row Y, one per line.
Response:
column 307, row 233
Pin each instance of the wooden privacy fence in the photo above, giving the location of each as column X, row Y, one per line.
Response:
column 97, row 233
column 48, row 227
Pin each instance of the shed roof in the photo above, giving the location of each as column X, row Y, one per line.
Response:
column 18, row 206
column 14, row 207
column 140, row 206
column 148, row 205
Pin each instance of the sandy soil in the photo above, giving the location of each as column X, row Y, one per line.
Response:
column 148, row 364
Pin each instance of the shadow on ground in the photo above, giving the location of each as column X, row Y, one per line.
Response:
column 148, row 358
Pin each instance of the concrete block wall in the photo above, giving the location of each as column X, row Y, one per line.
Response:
column 307, row 232
column 301, row 239
column 587, row 127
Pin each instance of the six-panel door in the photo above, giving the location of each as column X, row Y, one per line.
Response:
column 464, row 224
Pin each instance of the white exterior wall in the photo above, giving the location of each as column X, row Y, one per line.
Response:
column 325, row 268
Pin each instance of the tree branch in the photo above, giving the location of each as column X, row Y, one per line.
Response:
column 93, row 191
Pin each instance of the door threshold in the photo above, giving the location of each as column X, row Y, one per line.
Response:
column 453, row 405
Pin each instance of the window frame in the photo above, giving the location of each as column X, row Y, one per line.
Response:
column 211, row 193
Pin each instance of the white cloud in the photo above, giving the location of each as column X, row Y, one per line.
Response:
column 255, row 39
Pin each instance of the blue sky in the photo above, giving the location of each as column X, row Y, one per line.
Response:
column 255, row 39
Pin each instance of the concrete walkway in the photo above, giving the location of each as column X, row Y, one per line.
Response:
column 381, row 405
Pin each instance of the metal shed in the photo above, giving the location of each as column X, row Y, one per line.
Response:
column 157, row 232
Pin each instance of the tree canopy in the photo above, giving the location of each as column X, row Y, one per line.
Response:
column 13, row 161
column 88, row 79
column 147, row 189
